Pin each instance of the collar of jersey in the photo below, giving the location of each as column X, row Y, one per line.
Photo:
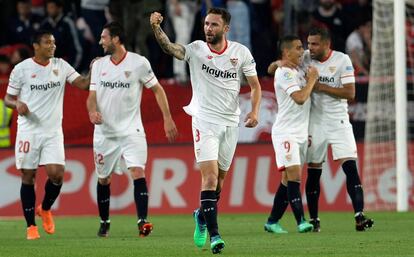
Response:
column 116, row 63
column 214, row 51
column 327, row 57
column 41, row 64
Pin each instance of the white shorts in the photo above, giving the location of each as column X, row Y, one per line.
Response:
column 109, row 153
column 33, row 150
column 214, row 142
column 338, row 134
column 289, row 151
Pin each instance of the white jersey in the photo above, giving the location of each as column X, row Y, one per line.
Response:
column 118, row 89
column 292, row 119
column 215, row 78
column 335, row 71
column 41, row 88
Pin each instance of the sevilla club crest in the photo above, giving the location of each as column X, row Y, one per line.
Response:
column 234, row 61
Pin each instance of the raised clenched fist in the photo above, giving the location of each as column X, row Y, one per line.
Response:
column 156, row 19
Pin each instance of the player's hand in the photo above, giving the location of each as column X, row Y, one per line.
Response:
column 170, row 129
column 271, row 69
column 312, row 74
column 156, row 19
column 95, row 118
column 22, row 108
column 251, row 120
column 285, row 63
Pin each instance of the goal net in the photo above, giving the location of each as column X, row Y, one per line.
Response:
column 379, row 166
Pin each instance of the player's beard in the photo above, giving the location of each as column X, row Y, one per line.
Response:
column 215, row 39
column 317, row 56
column 110, row 49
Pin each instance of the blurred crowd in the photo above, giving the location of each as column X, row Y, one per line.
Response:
column 258, row 24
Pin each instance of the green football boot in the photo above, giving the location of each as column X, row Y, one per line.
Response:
column 217, row 244
column 304, row 227
column 274, row 228
column 200, row 231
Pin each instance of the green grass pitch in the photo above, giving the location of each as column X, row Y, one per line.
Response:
column 391, row 236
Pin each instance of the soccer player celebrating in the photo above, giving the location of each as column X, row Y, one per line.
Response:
column 290, row 133
column 114, row 107
column 216, row 69
column 36, row 89
column 329, row 125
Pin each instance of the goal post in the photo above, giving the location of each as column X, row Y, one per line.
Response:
column 388, row 146
column 400, row 74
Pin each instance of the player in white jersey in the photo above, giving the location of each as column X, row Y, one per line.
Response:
column 36, row 88
column 329, row 125
column 290, row 133
column 216, row 70
column 114, row 107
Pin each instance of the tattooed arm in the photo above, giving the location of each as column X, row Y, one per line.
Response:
column 176, row 50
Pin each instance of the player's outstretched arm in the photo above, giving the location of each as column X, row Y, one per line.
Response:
column 252, row 118
column 176, row 50
column 170, row 129
column 346, row 92
column 83, row 82
column 91, row 104
column 12, row 102
column 271, row 69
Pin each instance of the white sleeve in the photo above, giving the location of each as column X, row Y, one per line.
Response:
column 287, row 81
column 347, row 71
column 146, row 75
column 69, row 71
column 94, row 76
column 15, row 81
column 249, row 64
column 189, row 50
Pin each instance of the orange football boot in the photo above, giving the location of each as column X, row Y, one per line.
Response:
column 47, row 219
column 32, row 233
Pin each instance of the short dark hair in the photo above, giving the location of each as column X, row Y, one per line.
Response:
column 322, row 32
column 39, row 34
column 225, row 15
column 116, row 30
column 286, row 43
column 58, row 3
column 24, row 1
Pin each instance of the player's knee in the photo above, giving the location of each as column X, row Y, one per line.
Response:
column 137, row 173
column 28, row 177
column 56, row 179
column 294, row 177
column 209, row 182
column 104, row 181
column 315, row 165
column 55, row 173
